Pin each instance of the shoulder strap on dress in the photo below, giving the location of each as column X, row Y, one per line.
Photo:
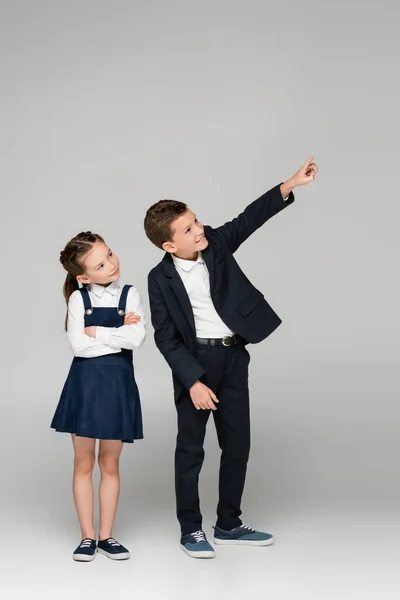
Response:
column 123, row 298
column 86, row 300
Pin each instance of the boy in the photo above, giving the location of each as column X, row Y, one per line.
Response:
column 204, row 311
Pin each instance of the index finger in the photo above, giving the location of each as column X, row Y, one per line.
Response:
column 309, row 161
column 213, row 396
column 211, row 404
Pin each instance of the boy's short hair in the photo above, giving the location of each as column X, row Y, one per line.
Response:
column 158, row 220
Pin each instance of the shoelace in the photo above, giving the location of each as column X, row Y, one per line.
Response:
column 113, row 542
column 86, row 543
column 244, row 526
column 199, row 536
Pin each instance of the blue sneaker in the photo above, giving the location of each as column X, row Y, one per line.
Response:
column 113, row 549
column 196, row 545
column 86, row 551
column 243, row 535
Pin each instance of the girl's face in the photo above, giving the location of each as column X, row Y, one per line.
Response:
column 100, row 265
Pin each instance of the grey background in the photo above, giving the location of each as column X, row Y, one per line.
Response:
column 107, row 107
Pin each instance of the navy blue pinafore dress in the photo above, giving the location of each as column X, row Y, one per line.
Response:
column 100, row 398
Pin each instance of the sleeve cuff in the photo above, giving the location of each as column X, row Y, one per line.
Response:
column 289, row 199
column 103, row 334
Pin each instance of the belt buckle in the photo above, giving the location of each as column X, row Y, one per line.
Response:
column 228, row 337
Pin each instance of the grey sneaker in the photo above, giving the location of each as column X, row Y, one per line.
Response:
column 196, row 545
column 243, row 535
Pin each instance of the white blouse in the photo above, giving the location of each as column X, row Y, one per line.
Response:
column 108, row 340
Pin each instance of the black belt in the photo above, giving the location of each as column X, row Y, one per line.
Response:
column 229, row 340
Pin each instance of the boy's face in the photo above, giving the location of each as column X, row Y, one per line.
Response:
column 187, row 237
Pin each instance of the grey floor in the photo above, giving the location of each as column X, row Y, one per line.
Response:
column 329, row 494
column 316, row 556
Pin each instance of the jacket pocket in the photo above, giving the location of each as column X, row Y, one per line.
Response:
column 248, row 305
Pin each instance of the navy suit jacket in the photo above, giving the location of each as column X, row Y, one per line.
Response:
column 240, row 305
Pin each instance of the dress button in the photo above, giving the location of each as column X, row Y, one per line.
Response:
column 121, row 312
column 88, row 311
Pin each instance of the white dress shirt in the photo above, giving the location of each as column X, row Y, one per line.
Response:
column 108, row 340
column 196, row 279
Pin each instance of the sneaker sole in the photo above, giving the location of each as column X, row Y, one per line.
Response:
column 198, row 554
column 83, row 557
column 122, row 556
column 221, row 542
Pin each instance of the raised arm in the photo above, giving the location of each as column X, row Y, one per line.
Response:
column 235, row 232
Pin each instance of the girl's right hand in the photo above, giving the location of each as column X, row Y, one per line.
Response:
column 131, row 318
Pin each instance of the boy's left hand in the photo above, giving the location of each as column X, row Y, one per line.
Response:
column 306, row 174
column 303, row 176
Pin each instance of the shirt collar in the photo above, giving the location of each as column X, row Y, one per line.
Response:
column 99, row 290
column 187, row 265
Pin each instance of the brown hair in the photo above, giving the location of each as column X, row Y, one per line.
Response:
column 158, row 220
column 71, row 259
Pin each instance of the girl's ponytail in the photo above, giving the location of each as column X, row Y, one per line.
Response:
column 70, row 286
column 72, row 258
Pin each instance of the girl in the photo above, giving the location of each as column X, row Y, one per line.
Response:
column 100, row 399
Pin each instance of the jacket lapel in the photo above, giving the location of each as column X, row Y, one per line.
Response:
column 208, row 256
column 179, row 289
column 212, row 257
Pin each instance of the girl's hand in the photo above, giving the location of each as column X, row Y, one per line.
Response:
column 131, row 318
column 91, row 331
